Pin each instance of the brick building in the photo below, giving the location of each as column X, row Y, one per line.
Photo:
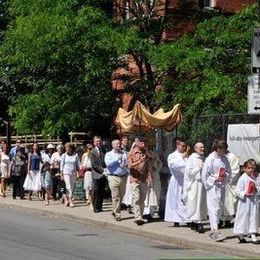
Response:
column 177, row 24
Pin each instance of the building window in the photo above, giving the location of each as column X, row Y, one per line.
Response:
column 209, row 4
column 127, row 11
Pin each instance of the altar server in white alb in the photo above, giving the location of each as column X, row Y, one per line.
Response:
column 175, row 210
column 247, row 216
column 194, row 194
column 230, row 201
column 215, row 175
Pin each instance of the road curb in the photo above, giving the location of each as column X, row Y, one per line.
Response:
column 183, row 242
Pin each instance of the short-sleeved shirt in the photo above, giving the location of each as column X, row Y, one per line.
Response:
column 35, row 160
column 19, row 165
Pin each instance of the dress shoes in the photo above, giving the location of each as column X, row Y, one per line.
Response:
column 193, row 226
column 241, row 240
column 228, row 224
column 220, row 224
column 139, row 222
column 98, row 210
column 147, row 216
column 200, row 229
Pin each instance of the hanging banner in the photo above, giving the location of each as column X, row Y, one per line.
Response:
column 244, row 141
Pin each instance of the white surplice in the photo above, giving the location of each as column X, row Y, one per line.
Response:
column 229, row 208
column 194, row 193
column 215, row 189
column 247, row 215
column 175, row 210
column 153, row 192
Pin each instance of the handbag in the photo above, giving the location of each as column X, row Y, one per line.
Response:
column 82, row 172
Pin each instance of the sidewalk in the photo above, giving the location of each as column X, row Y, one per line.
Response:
column 157, row 229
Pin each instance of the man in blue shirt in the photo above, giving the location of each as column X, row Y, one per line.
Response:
column 116, row 162
column 15, row 149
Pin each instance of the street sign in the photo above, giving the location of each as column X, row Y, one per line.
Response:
column 255, row 51
column 253, row 95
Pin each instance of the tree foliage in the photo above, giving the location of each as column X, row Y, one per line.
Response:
column 207, row 71
column 59, row 60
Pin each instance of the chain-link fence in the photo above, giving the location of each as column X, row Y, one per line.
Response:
column 209, row 127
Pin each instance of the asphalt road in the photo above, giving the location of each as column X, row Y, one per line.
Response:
column 28, row 235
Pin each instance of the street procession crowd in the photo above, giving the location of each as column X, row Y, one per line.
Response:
column 200, row 188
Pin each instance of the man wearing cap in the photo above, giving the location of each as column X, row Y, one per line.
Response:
column 116, row 162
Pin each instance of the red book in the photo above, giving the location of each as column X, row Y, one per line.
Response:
column 250, row 188
column 222, row 173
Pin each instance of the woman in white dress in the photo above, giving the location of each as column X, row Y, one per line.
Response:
column 4, row 168
column 32, row 182
column 88, row 180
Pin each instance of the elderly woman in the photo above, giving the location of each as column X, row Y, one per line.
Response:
column 55, row 172
column 69, row 167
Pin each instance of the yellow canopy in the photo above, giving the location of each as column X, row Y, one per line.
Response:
column 141, row 118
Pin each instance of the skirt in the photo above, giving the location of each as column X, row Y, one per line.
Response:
column 33, row 181
column 4, row 173
column 88, row 181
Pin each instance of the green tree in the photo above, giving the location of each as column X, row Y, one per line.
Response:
column 142, row 24
column 59, row 59
column 207, row 71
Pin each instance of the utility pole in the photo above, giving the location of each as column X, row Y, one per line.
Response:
column 258, row 7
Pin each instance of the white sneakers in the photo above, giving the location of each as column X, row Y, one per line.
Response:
column 217, row 236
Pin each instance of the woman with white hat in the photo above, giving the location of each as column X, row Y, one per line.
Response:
column 46, row 172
